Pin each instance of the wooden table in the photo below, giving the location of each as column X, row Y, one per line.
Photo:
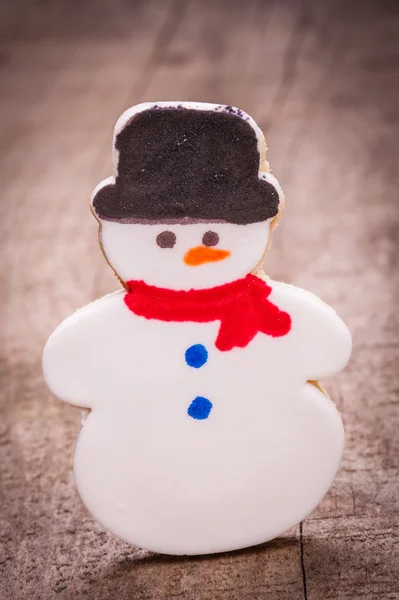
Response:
column 319, row 77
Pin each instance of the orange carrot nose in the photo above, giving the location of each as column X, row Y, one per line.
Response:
column 202, row 254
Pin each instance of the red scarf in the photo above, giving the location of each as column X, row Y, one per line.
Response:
column 241, row 307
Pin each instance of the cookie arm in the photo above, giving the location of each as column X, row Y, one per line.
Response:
column 320, row 339
column 72, row 358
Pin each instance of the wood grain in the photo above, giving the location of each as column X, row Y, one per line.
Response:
column 321, row 78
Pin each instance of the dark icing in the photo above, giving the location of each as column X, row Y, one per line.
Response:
column 187, row 163
column 210, row 238
column 166, row 239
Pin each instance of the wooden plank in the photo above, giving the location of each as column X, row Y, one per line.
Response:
column 337, row 565
column 319, row 78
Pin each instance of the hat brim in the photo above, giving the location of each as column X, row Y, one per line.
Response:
column 136, row 203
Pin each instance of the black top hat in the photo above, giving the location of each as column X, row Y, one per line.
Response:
column 177, row 163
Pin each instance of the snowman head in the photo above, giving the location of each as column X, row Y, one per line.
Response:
column 192, row 203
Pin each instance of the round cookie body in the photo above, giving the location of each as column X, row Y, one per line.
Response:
column 255, row 464
column 191, row 487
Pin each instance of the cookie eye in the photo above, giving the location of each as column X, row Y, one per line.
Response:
column 210, row 238
column 166, row 239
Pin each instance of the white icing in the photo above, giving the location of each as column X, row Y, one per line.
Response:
column 134, row 254
column 154, row 476
column 272, row 443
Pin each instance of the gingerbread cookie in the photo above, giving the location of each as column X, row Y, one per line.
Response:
column 204, row 432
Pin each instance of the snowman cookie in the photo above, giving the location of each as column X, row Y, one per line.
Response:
column 204, row 432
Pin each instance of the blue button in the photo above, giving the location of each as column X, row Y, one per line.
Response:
column 200, row 408
column 196, row 356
